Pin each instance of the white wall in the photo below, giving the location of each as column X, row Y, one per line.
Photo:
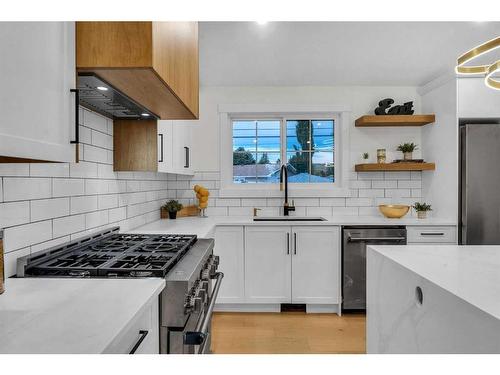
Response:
column 45, row 204
column 476, row 100
column 440, row 144
column 367, row 189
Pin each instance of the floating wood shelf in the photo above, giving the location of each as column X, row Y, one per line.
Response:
column 396, row 120
column 376, row 167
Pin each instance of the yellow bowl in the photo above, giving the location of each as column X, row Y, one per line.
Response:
column 394, row 211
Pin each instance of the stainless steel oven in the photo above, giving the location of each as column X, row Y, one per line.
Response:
column 354, row 242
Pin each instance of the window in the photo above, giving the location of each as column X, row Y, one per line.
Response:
column 307, row 146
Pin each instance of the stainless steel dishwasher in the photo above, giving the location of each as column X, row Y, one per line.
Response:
column 354, row 241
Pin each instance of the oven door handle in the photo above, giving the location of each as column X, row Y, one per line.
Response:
column 200, row 335
column 355, row 239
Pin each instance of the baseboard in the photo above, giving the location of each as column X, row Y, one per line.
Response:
column 265, row 307
column 247, row 307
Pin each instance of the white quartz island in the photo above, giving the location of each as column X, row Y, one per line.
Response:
column 41, row 315
column 433, row 299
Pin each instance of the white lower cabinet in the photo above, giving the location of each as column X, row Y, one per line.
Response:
column 268, row 264
column 141, row 335
column 292, row 264
column 229, row 247
column 315, row 265
column 431, row 235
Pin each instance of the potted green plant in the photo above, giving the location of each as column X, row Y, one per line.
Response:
column 407, row 150
column 422, row 209
column 172, row 206
column 365, row 156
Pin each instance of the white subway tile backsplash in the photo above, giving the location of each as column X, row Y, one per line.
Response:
column 83, row 204
column 14, row 213
column 102, row 140
column 49, row 170
column 385, row 184
column 360, row 184
column 94, row 121
column 319, row 211
column 27, row 234
column 334, row 202
column 67, row 187
column 14, row 169
column 94, row 186
column 48, row 244
column 345, row 211
column 304, row 202
column 413, row 184
column 359, row 202
column 417, row 193
column 69, row 224
column 397, row 193
column 83, row 169
column 369, row 211
column 253, row 202
column 106, row 171
column 397, row 175
column 49, row 208
column 16, row 189
column 370, row 175
column 108, row 201
column 371, row 193
column 95, row 154
column 85, row 135
column 117, row 214
column 416, row 175
column 95, row 219
column 228, row 202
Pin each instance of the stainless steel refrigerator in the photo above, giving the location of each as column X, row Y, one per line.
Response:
column 479, row 212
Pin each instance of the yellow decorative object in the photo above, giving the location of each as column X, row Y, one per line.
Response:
column 393, row 211
column 202, row 195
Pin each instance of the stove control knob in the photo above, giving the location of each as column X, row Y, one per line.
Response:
column 205, row 274
column 202, row 295
column 216, row 260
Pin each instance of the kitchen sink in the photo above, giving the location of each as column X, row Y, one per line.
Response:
column 289, row 218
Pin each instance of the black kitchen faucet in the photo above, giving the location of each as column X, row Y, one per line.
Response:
column 284, row 180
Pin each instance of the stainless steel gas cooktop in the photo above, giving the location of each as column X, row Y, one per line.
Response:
column 110, row 254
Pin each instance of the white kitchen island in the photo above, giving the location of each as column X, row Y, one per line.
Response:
column 433, row 299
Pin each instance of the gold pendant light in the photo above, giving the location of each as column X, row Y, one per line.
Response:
column 488, row 70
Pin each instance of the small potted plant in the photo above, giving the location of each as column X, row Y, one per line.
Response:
column 422, row 209
column 365, row 156
column 407, row 150
column 172, row 206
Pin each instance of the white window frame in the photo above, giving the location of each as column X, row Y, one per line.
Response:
column 341, row 116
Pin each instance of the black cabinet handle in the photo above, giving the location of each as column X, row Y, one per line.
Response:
column 419, row 295
column 142, row 336
column 432, row 234
column 186, row 150
column 295, row 243
column 161, row 148
column 288, row 243
column 77, row 116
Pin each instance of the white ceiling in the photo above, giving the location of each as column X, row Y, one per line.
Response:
column 334, row 53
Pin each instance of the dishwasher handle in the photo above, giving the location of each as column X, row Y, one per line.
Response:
column 362, row 239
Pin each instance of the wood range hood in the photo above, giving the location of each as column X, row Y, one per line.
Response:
column 155, row 64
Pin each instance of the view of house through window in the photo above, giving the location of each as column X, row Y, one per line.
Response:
column 307, row 146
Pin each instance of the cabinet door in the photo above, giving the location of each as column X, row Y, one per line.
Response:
column 267, row 264
column 315, row 265
column 229, row 247
column 38, row 71
column 181, row 147
column 165, row 134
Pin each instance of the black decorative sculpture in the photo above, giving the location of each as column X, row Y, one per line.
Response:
column 384, row 108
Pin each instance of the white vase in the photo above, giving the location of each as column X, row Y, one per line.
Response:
column 422, row 214
column 407, row 155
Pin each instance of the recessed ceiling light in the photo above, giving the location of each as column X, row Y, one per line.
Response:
column 261, row 23
column 145, row 114
column 102, row 88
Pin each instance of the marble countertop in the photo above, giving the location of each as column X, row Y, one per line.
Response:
column 472, row 273
column 205, row 227
column 40, row 315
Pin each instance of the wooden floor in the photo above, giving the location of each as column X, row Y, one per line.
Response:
column 268, row 333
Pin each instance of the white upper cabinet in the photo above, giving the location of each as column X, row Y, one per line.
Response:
column 37, row 72
column 174, row 147
column 267, row 264
column 315, row 265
